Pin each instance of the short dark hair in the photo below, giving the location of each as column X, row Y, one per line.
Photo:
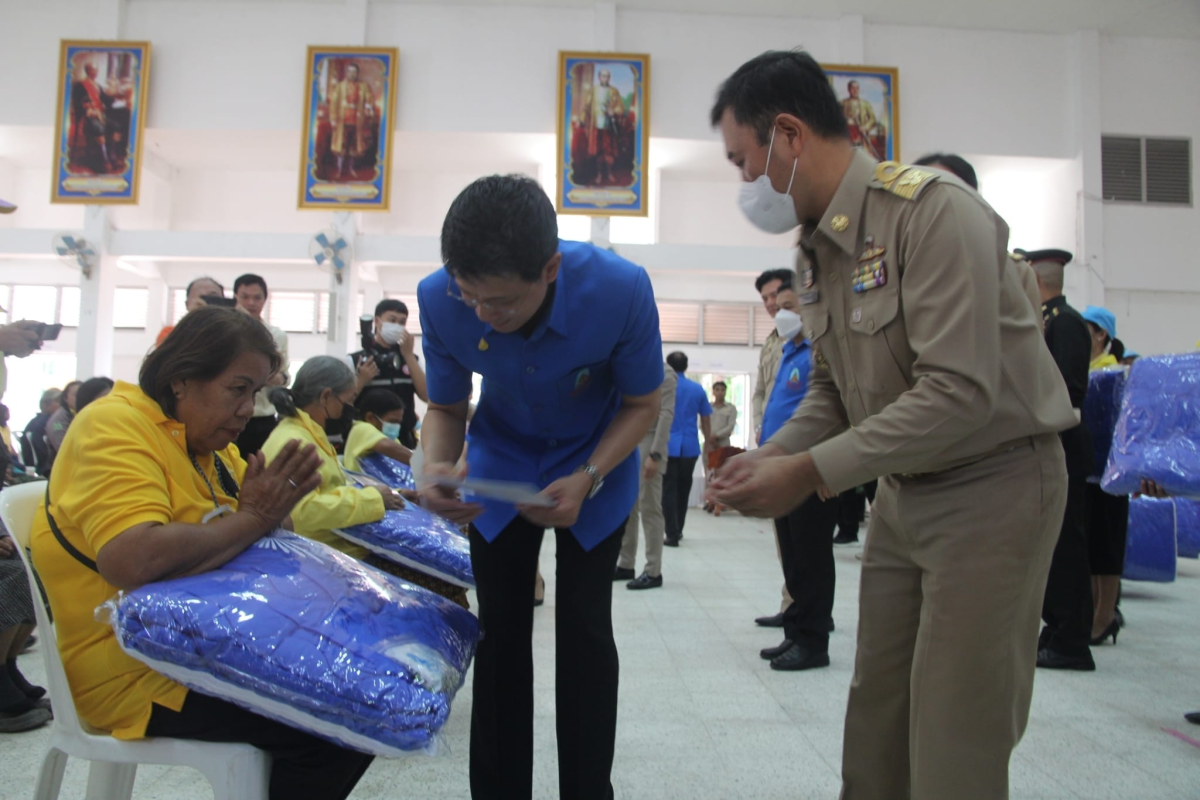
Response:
column 785, row 275
column 501, row 226
column 378, row 402
column 201, row 347
column 678, row 361
column 384, row 306
column 719, row 383
column 781, row 82
column 958, row 165
column 250, row 279
column 90, row 390
column 188, row 292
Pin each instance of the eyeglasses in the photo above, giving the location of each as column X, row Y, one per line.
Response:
column 498, row 305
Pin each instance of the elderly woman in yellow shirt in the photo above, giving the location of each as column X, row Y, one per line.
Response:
column 148, row 486
column 320, row 404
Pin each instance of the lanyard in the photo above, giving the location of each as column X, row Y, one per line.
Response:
column 227, row 483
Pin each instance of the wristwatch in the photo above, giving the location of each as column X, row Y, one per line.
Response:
column 656, row 458
column 594, row 474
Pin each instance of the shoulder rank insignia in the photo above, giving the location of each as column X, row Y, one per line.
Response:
column 819, row 358
column 901, row 179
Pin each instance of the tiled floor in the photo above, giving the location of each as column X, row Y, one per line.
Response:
column 703, row 717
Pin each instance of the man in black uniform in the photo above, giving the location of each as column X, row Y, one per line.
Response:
column 399, row 367
column 1067, row 608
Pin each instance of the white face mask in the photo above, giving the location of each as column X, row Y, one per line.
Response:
column 787, row 324
column 767, row 209
column 392, row 333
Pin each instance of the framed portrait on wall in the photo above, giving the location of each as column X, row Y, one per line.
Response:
column 346, row 152
column 99, row 121
column 603, row 134
column 870, row 98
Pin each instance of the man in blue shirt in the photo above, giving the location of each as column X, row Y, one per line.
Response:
column 566, row 338
column 684, row 447
column 805, row 535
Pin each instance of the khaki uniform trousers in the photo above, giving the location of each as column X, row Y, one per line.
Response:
column 649, row 509
column 953, row 574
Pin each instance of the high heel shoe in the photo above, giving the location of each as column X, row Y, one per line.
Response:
column 1112, row 630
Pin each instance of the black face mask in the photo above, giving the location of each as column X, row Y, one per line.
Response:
column 340, row 426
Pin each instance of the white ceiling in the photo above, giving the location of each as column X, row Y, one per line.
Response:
column 1170, row 18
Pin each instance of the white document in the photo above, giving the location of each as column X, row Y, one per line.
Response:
column 509, row 491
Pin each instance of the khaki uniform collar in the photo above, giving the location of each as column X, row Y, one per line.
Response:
column 846, row 209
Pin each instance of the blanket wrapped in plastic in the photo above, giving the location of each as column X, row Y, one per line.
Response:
column 1158, row 429
column 418, row 539
column 388, row 470
column 1100, row 410
column 1150, row 545
column 298, row 632
column 1187, row 527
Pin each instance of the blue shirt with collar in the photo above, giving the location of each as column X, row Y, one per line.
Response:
column 690, row 402
column 548, row 399
column 791, row 384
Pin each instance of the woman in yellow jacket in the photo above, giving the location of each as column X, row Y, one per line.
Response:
column 319, row 404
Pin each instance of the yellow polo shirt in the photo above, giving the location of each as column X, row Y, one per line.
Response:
column 333, row 504
column 1102, row 361
column 361, row 442
column 122, row 463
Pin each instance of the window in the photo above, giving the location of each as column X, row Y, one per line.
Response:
column 763, row 325
column 679, row 322
column 294, row 312
column 178, row 306
column 69, row 307
column 1138, row 169
column 5, row 295
column 35, row 302
column 726, row 323
column 129, row 308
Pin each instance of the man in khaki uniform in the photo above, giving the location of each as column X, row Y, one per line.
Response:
column 931, row 374
column 768, row 285
column 649, row 507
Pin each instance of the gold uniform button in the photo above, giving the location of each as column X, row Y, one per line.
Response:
column 839, row 223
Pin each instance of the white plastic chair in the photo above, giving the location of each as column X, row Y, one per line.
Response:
column 236, row 771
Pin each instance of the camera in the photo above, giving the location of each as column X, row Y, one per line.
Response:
column 219, row 300
column 47, row 332
column 366, row 330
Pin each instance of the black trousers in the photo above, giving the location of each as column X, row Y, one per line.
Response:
column 806, row 550
column 586, row 665
column 677, row 488
column 302, row 765
column 1067, row 608
column 852, row 507
column 255, row 435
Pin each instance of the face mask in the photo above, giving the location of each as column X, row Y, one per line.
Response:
column 392, row 333
column 391, row 430
column 767, row 209
column 787, row 324
column 340, row 426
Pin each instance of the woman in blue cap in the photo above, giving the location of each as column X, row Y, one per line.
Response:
column 1107, row 515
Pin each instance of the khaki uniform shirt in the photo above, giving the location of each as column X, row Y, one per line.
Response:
column 1028, row 280
column 659, row 435
column 768, row 365
column 723, row 421
column 938, row 359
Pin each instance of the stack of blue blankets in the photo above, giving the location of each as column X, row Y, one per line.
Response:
column 1157, row 434
column 388, row 470
column 418, row 539
column 293, row 630
column 1101, row 408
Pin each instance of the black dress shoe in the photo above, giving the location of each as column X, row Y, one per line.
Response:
column 773, row 621
column 1052, row 659
column 624, row 574
column 1193, row 717
column 767, row 653
column 797, row 657
column 671, row 542
column 645, row 581
column 846, row 538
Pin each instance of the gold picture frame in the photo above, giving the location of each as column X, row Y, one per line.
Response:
column 99, row 121
column 602, row 162
column 346, row 167
column 877, row 104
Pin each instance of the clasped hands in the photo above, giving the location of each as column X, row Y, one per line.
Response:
column 766, row 482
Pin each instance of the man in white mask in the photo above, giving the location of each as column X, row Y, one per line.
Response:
column 930, row 374
column 400, row 372
column 805, row 535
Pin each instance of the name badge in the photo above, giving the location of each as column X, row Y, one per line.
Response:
column 808, row 298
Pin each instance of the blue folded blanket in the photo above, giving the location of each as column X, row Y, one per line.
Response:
column 1158, row 429
column 1100, row 410
column 388, row 470
column 418, row 539
column 293, row 630
column 1187, row 527
column 1150, row 546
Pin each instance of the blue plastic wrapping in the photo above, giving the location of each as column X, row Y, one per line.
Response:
column 1100, row 410
column 1158, row 430
column 293, row 630
column 1187, row 527
column 418, row 539
column 1150, row 545
column 388, row 470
